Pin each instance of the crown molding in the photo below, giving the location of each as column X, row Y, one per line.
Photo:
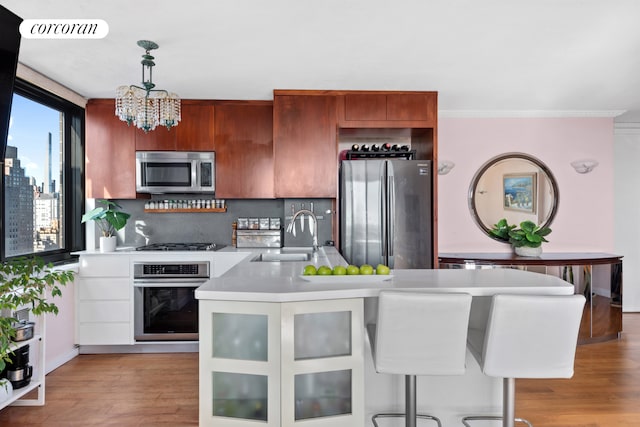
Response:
column 626, row 128
column 485, row 114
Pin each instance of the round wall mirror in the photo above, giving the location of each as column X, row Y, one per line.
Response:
column 514, row 186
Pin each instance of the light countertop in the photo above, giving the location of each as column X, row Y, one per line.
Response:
column 248, row 280
column 237, row 278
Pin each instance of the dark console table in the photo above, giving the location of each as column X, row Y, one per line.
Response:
column 598, row 276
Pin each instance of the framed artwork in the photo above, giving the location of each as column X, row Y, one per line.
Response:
column 520, row 192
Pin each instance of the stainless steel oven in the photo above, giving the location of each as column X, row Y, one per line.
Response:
column 165, row 307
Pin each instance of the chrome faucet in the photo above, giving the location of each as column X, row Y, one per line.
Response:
column 314, row 231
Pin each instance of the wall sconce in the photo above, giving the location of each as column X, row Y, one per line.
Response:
column 584, row 166
column 445, row 166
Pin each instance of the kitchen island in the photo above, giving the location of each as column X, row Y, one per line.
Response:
column 280, row 350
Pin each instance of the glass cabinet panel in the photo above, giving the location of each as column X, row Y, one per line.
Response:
column 319, row 335
column 240, row 396
column 322, row 394
column 240, row 336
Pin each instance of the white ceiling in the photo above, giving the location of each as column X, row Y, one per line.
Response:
column 486, row 57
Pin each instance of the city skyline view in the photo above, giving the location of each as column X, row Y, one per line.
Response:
column 33, row 218
column 29, row 129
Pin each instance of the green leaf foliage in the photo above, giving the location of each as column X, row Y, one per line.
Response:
column 502, row 229
column 529, row 234
column 24, row 282
column 109, row 217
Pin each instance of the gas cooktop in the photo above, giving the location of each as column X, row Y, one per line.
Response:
column 181, row 247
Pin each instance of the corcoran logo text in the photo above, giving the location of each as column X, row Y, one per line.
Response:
column 64, row 28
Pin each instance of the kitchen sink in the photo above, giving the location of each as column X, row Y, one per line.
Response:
column 285, row 254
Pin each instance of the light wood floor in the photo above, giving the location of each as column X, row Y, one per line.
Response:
column 161, row 390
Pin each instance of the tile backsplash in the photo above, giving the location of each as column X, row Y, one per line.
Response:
column 323, row 210
column 153, row 227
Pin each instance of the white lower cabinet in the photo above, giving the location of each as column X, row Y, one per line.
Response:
column 104, row 301
column 281, row 364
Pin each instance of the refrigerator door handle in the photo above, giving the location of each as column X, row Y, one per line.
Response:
column 391, row 215
column 383, row 216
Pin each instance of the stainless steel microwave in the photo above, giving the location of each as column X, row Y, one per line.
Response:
column 175, row 172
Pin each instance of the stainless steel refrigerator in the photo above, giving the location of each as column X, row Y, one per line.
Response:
column 386, row 212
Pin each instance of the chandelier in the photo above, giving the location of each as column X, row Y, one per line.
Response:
column 146, row 107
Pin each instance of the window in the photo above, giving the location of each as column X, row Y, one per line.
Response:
column 42, row 189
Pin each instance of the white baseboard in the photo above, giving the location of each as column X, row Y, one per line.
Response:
column 52, row 365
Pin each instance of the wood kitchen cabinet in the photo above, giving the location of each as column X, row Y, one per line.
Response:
column 244, row 149
column 194, row 132
column 111, row 145
column 388, row 109
column 110, row 148
column 305, row 144
column 159, row 139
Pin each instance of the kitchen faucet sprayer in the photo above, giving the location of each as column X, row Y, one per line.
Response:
column 314, row 232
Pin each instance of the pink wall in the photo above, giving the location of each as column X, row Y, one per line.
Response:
column 584, row 222
column 60, row 330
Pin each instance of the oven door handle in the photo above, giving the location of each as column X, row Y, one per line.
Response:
column 168, row 283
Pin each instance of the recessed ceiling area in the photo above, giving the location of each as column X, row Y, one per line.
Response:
column 491, row 57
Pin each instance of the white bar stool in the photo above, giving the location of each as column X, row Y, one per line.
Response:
column 419, row 333
column 527, row 336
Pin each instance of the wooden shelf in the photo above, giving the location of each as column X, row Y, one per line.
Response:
column 185, row 210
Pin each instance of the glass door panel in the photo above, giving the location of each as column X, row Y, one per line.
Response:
column 240, row 396
column 322, row 394
column 240, row 336
column 318, row 335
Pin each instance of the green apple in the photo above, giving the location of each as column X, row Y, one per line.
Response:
column 323, row 270
column 382, row 269
column 366, row 269
column 339, row 270
column 353, row 270
column 310, row 270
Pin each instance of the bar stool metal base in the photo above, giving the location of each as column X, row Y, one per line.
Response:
column 508, row 407
column 410, row 404
column 400, row 415
column 488, row 418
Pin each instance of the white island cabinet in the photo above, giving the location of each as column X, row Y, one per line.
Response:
column 277, row 350
column 282, row 364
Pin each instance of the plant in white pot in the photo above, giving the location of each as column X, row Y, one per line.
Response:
column 109, row 219
column 24, row 283
column 526, row 240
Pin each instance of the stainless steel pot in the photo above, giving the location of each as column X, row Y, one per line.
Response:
column 24, row 331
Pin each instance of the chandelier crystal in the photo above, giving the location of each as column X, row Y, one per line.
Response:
column 146, row 107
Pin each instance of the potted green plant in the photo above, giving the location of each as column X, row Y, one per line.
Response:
column 109, row 219
column 526, row 240
column 24, row 283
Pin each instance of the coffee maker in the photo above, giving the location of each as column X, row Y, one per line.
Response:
column 18, row 370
